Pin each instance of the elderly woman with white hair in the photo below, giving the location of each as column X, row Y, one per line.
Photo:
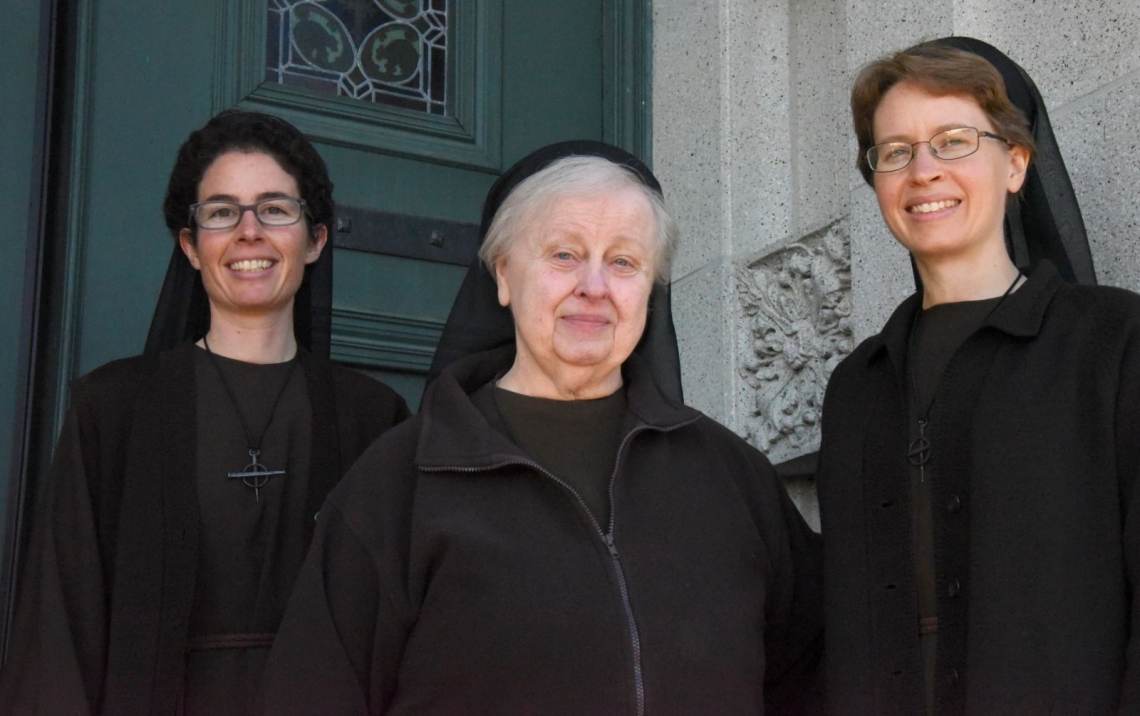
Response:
column 555, row 532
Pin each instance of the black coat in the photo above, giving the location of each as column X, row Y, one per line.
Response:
column 106, row 597
column 1036, row 513
column 451, row 574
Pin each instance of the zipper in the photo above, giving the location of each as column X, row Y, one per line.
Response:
column 634, row 635
column 606, row 535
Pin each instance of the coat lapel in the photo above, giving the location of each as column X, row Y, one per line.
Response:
column 890, row 574
column 158, row 544
column 325, row 468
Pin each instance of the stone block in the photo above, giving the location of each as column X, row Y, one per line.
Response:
column 1069, row 47
column 757, row 139
column 881, row 275
column 819, row 122
column 910, row 22
column 687, row 126
column 803, row 494
column 704, row 334
column 1098, row 141
column 878, row 28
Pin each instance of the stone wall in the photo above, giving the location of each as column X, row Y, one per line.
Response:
column 785, row 262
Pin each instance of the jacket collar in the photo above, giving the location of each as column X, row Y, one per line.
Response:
column 1019, row 315
column 456, row 434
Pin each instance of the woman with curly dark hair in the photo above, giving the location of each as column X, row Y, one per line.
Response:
column 182, row 496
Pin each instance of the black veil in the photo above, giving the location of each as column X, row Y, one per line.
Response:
column 1047, row 222
column 478, row 323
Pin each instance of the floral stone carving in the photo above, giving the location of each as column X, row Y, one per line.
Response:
column 797, row 327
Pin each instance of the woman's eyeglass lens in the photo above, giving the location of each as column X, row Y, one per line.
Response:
column 278, row 211
column 951, row 144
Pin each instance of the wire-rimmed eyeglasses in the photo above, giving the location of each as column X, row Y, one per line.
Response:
column 275, row 211
column 954, row 143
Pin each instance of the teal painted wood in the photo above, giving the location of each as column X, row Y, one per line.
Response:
column 390, row 285
column 388, row 315
column 552, row 72
column 144, row 76
column 628, row 65
column 384, row 341
column 18, row 87
column 142, row 84
column 62, row 333
column 469, row 137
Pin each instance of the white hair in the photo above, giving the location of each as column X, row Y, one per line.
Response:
column 578, row 176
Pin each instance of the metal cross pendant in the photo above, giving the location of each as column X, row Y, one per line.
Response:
column 255, row 474
column 919, row 452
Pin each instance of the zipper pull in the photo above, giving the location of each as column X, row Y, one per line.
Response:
column 609, row 539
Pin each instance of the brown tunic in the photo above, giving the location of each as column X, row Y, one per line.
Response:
column 576, row 440
column 250, row 546
column 937, row 334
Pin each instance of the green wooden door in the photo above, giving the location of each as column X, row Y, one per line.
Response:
column 519, row 74
column 137, row 76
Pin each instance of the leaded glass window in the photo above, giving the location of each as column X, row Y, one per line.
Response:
column 392, row 52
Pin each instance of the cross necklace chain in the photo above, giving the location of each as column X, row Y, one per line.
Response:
column 919, row 449
column 254, row 475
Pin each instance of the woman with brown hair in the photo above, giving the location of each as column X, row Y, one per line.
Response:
column 980, row 456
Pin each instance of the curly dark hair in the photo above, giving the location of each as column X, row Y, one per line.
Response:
column 240, row 130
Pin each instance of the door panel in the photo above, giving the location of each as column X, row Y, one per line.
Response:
column 149, row 73
column 388, row 313
column 136, row 77
column 553, row 74
column 26, row 56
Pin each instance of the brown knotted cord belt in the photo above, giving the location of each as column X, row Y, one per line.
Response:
column 229, row 641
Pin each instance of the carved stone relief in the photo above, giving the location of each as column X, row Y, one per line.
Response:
column 797, row 327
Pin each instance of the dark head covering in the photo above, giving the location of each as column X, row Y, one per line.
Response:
column 1046, row 223
column 478, row 323
column 183, row 310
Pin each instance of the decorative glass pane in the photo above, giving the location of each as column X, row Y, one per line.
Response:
column 389, row 51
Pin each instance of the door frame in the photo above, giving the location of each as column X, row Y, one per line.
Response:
column 24, row 455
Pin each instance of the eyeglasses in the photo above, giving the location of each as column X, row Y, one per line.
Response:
column 952, row 144
column 278, row 211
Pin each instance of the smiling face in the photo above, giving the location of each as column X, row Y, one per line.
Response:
column 578, row 284
column 250, row 270
column 943, row 209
